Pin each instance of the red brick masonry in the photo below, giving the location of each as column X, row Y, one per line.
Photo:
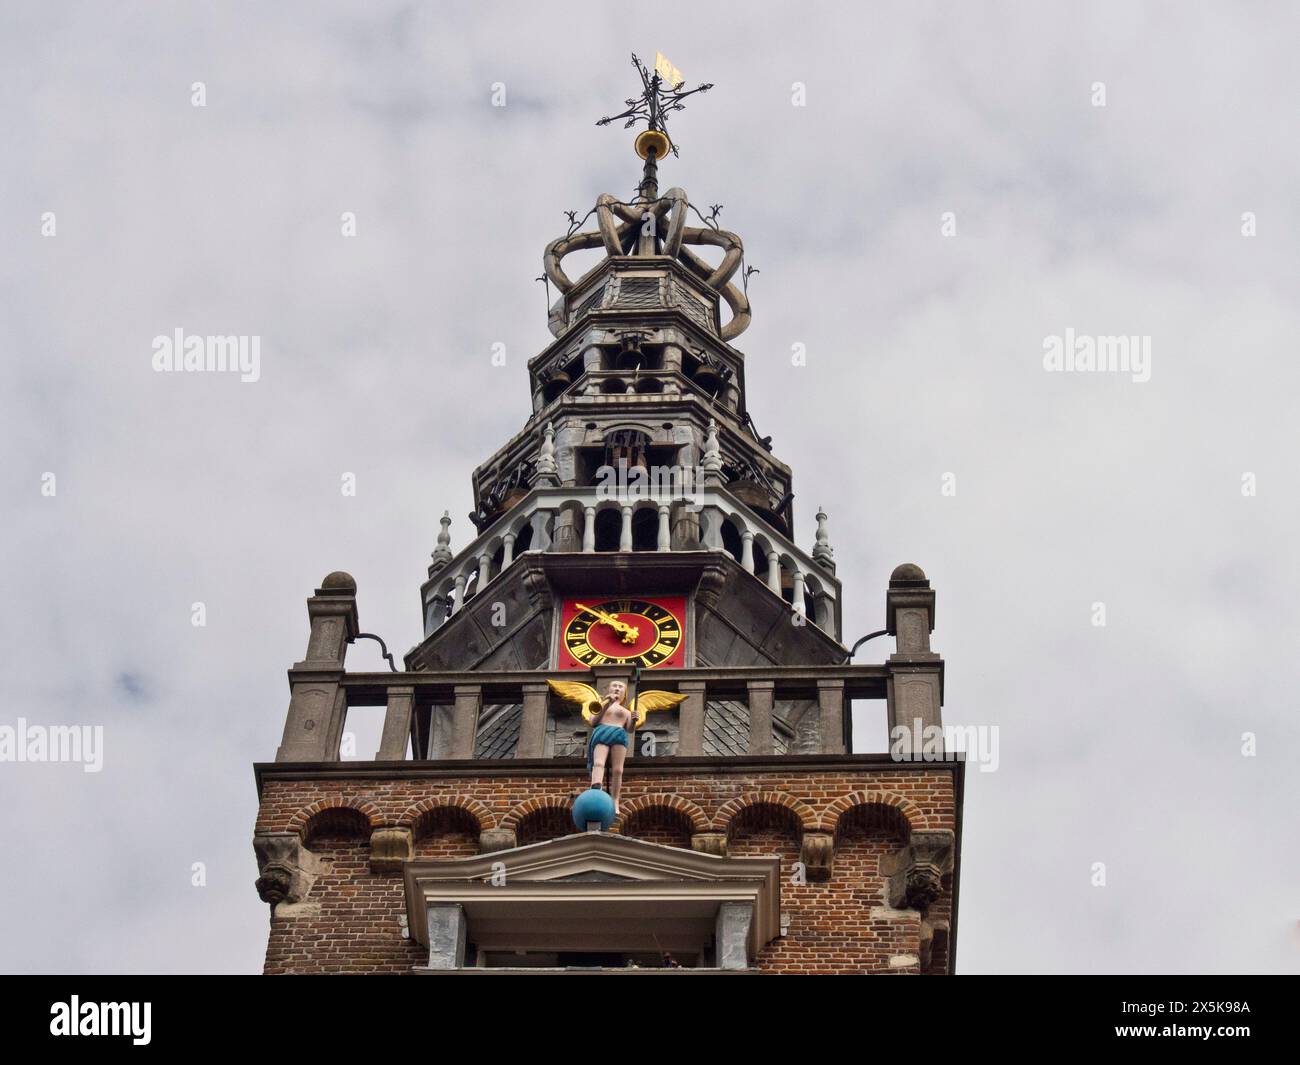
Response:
column 351, row 918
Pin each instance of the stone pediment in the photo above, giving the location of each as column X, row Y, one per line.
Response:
column 595, row 891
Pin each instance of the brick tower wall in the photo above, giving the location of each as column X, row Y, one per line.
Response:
column 351, row 918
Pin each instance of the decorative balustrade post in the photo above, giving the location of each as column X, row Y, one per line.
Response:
column 711, row 461
column 711, row 529
column 484, row 570
column 830, row 701
column 915, row 672
column 532, row 724
column 760, row 716
column 460, row 594
column 823, row 554
column 690, row 721
column 464, row 717
column 397, row 724
column 541, row 534
column 774, row 571
column 317, row 703
column 547, row 472
column 665, row 536
column 797, row 594
column 625, row 534
column 747, row 551
column 588, row 530
column 507, row 550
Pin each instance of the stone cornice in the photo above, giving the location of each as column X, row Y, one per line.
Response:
column 677, row 765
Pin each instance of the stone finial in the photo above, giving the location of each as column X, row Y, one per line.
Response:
column 337, row 583
column 547, row 470
column 822, row 551
column 909, row 609
column 909, row 574
column 711, row 464
column 442, row 553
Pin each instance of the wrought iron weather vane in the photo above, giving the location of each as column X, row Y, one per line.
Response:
column 661, row 95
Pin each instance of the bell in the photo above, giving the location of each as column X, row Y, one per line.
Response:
column 556, row 384
column 630, row 355
column 708, row 378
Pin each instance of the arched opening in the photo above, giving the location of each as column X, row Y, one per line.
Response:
column 523, row 540
column 609, row 529
column 443, row 602
column 645, row 529
column 337, row 824
column 732, row 542
column 551, row 822
column 659, row 824
column 766, row 828
column 819, row 604
column 613, row 386
column 445, row 832
column 873, row 819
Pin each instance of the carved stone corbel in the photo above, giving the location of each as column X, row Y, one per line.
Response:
column 286, row 868
column 713, row 579
column 537, row 587
column 916, row 872
column 710, row 843
column 491, row 840
column 817, row 855
column 389, row 848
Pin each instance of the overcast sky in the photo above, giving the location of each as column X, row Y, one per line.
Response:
column 1119, row 744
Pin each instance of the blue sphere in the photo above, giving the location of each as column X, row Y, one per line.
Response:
column 593, row 805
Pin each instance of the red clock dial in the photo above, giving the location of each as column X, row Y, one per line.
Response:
column 630, row 630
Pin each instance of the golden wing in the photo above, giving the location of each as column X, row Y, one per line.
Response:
column 574, row 691
column 653, row 700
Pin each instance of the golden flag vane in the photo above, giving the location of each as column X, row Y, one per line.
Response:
column 667, row 71
column 661, row 94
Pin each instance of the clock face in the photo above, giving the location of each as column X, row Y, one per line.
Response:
column 598, row 631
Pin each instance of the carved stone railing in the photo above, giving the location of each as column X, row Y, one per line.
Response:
column 322, row 691
column 564, row 519
column 410, row 700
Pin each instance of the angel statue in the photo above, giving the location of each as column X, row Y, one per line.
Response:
column 612, row 723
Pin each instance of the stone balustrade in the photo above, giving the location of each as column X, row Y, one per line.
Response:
column 569, row 520
column 457, row 702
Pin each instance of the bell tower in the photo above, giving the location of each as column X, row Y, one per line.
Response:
column 636, row 528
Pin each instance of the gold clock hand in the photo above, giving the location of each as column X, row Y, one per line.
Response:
column 609, row 619
column 630, row 633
